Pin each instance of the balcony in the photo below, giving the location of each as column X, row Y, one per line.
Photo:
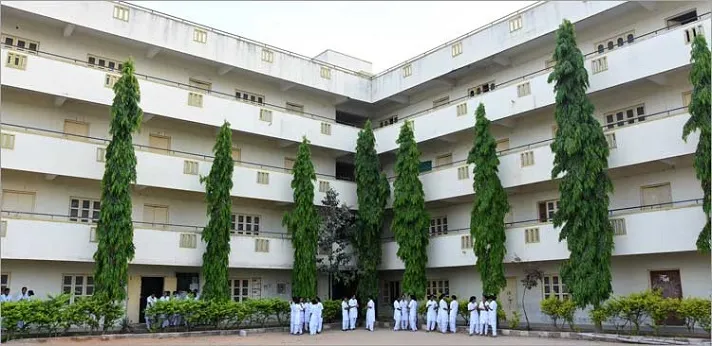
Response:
column 640, row 230
column 162, row 31
column 42, row 151
column 71, row 78
column 632, row 62
column 44, row 237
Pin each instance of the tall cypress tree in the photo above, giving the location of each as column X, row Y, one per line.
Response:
column 303, row 223
column 410, row 220
column 700, row 121
column 372, row 190
column 581, row 155
column 114, row 229
column 216, row 234
column 489, row 208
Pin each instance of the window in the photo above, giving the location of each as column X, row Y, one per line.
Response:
column 625, row 116
column 294, row 107
column 686, row 98
column 281, row 288
column 100, row 154
column 240, row 289
column 103, row 63
column 456, row 49
column 190, row 167
column 463, row 173
column 159, row 143
column 263, row 178
column 515, row 24
column 692, row 32
column 8, row 141
column 79, row 286
column 110, row 80
column 245, row 224
column 266, row 115
column 466, row 242
column 425, row 166
column 438, row 226
column 18, row 201
column 267, row 55
column 611, row 139
column 323, row 186
column 438, row 287
column 289, row 163
column 461, row 109
column 443, row 160
column 121, row 13
column 195, row 99
column 523, row 89
column 531, row 235
column 326, row 129
column 407, row 70
column 249, row 97
column 76, row 129
column 599, row 65
column 547, row 209
column 155, row 216
column 188, row 241
column 480, row 89
column 21, row 44
column 502, row 144
column 391, row 291
column 325, row 72
column 236, row 153
column 527, row 158
column 84, row 210
column 615, row 42
column 4, row 281
column 388, row 121
column 618, row 226
column 16, row 60
column 656, row 196
column 200, row 36
column 682, row 18
column 552, row 286
column 261, row 245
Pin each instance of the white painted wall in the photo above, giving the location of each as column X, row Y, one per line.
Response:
column 345, row 60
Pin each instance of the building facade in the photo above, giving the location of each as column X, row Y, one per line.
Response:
column 60, row 59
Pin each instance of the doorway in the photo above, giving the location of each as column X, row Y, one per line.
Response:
column 149, row 285
column 669, row 283
column 508, row 297
column 187, row 282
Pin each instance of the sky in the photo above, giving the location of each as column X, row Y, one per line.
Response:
column 383, row 32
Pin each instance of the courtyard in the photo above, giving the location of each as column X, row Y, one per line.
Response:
column 358, row 337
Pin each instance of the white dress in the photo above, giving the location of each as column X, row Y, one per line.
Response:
column 474, row 317
column 442, row 316
column 484, row 316
column 432, row 314
column 344, row 315
column 396, row 315
column 370, row 314
column 413, row 311
column 353, row 313
column 404, row 314
column 493, row 317
column 452, row 318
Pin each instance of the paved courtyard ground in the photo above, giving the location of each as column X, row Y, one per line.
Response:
column 358, row 337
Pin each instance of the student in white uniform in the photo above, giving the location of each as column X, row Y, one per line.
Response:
column 484, row 315
column 320, row 310
column 452, row 318
column 292, row 316
column 150, row 301
column 442, row 314
column 474, row 316
column 370, row 314
column 353, row 312
column 413, row 311
column 299, row 314
column 5, row 296
column 307, row 315
column 396, row 315
column 493, row 315
column 22, row 295
column 166, row 319
column 404, row 313
column 313, row 317
column 344, row 315
column 431, row 314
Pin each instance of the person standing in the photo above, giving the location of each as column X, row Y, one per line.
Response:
column 22, row 295
column 353, row 312
column 413, row 310
column 320, row 310
column 493, row 315
column 313, row 317
column 404, row 313
column 452, row 318
column 484, row 315
column 396, row 315
column 291, row 316
column 442, row 314
column 431, row 314
column 298, row 323
column 474, row 316
column 307, row 315
column 5, row 296
column 150, row 302
column 370, row 314
column 344, row 315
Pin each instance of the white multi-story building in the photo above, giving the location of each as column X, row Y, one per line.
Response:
column 59, row 60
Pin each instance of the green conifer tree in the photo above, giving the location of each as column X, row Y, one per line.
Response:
column 410, row 220
column 114, row 229
column 373, row 191
column 489, row 208
column 699, row 109
column 303, row 223
column 581, row 156
column 216, row 235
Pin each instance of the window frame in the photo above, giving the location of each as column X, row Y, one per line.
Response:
column 241, row 297
column 255, row 227
column 91, row 210
column 73, row 286
column 563, row 293
column 433, row 226
column 550, row 212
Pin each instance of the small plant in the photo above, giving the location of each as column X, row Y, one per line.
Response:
column 514, row 320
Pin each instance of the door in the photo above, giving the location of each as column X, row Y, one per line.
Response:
column 148, row 285
column 133, row 305
column 508, row 297
column 187, row 282
column 669, row 283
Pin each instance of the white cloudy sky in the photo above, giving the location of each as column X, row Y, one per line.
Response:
column 385, row 33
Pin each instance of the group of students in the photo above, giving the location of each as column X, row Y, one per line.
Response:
column 305, row 315
column 173, row 320
column 443, row 317
column 23, row 295
column 349, row 313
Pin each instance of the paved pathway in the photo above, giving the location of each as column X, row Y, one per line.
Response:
column 358, row 337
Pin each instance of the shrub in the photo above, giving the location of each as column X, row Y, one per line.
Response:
column 332, row 310
column 558, row 309
column 695, row 311
column 514, row 320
